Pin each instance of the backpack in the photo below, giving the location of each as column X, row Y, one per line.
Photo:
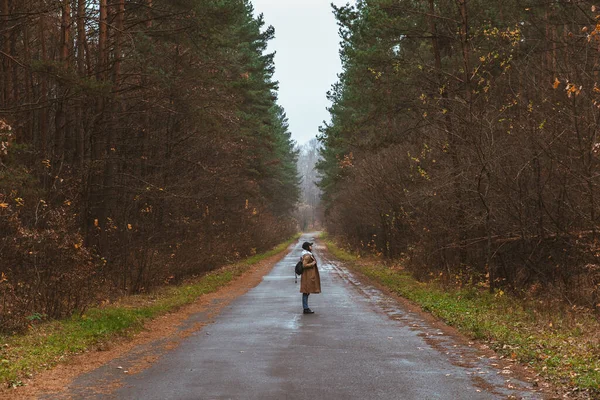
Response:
column 299, row 268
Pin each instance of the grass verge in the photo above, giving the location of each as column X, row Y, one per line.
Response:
column 561, row 344
column 49, row 343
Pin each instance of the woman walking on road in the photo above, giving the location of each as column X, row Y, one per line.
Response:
column 310, row 281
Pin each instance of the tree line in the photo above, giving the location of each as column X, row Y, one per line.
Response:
column 464, row 141
column 141, row 143
column 309, row 211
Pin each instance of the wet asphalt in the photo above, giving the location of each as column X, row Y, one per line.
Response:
column 359, row 344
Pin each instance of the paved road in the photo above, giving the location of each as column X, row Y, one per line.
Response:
column 359, row 344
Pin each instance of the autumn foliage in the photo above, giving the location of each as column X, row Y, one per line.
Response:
column 464, row 140
column 140, row 143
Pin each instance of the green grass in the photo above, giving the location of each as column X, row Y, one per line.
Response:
column 337, row 252
column 561, row 344
column 49, row 343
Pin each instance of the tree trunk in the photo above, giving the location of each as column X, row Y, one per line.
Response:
column 6, row 62
column 28, row 128
column 464, row 36
column 44, row 115
column 82, row 71
column 60, row 119
column 95, row 209
column 449, row 129
column 110, row 166
column 102, row 41
column 118, row 56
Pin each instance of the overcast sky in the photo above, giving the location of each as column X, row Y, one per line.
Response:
column 307, row 60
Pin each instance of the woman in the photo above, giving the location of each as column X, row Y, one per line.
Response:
column 310, row 281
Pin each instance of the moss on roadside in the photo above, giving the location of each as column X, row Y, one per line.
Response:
column 49, row 343
column 562, row 347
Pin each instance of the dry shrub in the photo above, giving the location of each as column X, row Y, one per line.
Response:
column 46, row 272
column 389, row 207
column 140, row 262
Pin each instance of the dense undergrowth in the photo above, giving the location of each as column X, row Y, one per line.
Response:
column 48, row 343
column 560, row 342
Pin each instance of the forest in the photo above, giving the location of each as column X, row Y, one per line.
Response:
column 141, row 143
column 464, row 141
column 309, row 210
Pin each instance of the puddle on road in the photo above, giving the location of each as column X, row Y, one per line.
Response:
column 294, row 324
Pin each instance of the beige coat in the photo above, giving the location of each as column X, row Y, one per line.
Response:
column 310, row 281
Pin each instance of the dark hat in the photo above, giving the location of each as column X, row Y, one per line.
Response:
column 306, row 245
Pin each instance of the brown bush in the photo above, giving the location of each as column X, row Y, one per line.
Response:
column 46, row 273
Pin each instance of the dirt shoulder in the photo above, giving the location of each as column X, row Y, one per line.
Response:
column 166, row 328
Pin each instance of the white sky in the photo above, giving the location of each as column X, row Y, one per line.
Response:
column 307, row 60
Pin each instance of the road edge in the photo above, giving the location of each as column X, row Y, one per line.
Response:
column 547, row 390
column 56, row 379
